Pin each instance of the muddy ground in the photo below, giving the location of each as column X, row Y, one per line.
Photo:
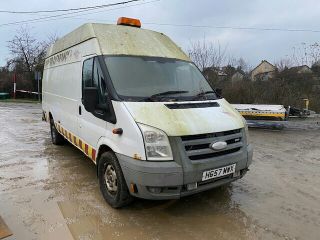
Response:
column 51, row 192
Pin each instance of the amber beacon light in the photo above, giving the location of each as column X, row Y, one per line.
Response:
column 129, row 22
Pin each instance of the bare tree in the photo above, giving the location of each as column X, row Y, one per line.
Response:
column 27, row 56
column 300, row 56
column 306, row 54
column 26, row 49
column 243, row 65
column 207, row 54
column 232, row 61
column 314, row 53
column 239, row 64
column 51, row 39
column 284, row 63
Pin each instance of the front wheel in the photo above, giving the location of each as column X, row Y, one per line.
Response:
column 112, row 183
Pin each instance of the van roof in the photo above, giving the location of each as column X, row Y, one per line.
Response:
column 121, row 40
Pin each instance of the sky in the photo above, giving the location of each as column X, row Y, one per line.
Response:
column 165, row 15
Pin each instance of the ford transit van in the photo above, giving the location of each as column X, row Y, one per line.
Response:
column 138, row 107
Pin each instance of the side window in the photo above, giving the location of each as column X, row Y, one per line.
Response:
column 87, row 73
column 94, row 91
column 92, row 76
column 99, row 82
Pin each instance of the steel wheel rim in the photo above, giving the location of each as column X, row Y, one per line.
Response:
column 111, row 179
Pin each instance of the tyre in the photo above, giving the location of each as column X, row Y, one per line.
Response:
column 56, row 137
column 112, row 183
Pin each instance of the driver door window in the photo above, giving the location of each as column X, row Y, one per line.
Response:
column 92, row 76
column 99, row 82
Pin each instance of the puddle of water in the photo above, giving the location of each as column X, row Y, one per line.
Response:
column 51, row 192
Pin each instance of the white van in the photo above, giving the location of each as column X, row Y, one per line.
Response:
column 135, row 104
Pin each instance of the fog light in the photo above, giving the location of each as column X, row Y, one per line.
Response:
column 155, row 189
column 192, row 186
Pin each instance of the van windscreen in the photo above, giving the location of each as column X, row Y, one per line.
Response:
column 157, row 79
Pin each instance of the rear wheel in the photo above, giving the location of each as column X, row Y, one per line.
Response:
column 56, row 137
column 112, row 183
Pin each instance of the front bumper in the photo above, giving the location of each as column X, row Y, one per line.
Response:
column 173, row 177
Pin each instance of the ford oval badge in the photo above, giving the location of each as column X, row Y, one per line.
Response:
column 217, row 146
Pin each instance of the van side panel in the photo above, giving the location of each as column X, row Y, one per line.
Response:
column 62, row 84
column 62, row 93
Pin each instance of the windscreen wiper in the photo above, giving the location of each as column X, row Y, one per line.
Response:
column 202, row 94
column 154, row 96
column 167, row 93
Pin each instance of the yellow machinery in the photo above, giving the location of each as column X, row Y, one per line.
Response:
column 261, row 112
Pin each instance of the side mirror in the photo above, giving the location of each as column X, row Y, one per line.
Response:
column 219, row 91
column 90, row 98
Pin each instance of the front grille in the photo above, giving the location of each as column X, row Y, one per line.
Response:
column 214, row 154
column 210, row 135
column 197, row 147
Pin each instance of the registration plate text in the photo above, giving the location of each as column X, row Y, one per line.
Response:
column 218, row 172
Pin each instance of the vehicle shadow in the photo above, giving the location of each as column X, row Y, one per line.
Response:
column 214, row 198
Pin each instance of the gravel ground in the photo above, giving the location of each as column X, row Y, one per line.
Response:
column 51, row 192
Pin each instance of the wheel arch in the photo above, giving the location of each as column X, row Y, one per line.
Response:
column 102, row 149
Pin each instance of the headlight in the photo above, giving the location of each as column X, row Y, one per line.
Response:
column 246, row 130
column 156, row 143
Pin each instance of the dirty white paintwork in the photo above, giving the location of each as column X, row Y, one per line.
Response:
column 121, row 40
column 61, row 85
column 130, row 143
column 260, row 107
column 62, row 91
column 180, row 122
column 62, row 95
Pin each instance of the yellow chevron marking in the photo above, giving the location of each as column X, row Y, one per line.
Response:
column 76, row 143
column 90, row 151
column 83, row 148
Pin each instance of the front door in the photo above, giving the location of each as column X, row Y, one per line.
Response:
column 92, row 125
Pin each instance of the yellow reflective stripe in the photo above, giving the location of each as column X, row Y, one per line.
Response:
column 263, row 114
column 76, row 141
column 83, row 145
column 90, row 151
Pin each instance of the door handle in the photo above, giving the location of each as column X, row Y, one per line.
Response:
column 79, row 110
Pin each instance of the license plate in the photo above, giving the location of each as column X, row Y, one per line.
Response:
column 218, row 172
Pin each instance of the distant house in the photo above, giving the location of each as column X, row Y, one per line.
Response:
column 302, row 69
column 264, row 71
column 222, row 75
column 237, row 77
column 212, row 72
